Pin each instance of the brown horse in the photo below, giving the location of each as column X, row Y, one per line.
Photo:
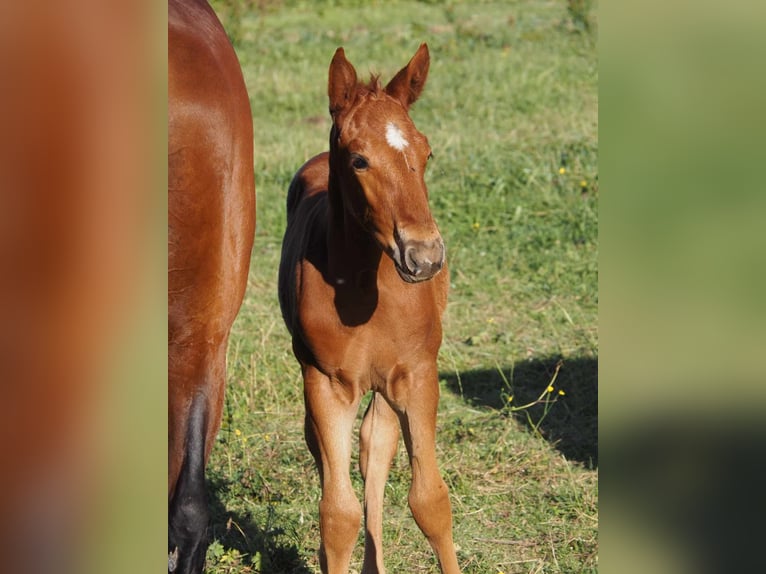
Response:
column 211, row 221
column 362, row 295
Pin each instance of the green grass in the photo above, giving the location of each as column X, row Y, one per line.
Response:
column 510, row 109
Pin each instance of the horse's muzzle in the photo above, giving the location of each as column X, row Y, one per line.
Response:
column 419, row 260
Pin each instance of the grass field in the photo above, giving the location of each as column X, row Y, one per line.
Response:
column 510, row 109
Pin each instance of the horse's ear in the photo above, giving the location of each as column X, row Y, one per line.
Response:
column 341, row 84
column 408, row 83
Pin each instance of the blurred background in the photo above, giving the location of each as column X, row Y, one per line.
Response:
column 82, row 287
column 681, row 315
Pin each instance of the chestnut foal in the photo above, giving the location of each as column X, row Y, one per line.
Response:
column 362, row 286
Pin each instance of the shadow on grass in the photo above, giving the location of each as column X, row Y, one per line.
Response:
column 693, row 480
column 235, row 531
column 571, row 424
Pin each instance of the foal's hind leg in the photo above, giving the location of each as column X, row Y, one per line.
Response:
column 331, row 409
column 429, row 497
column 379, row 437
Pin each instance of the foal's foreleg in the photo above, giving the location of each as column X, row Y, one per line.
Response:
column 379, row 437
column 429, row 497
column 331, row 410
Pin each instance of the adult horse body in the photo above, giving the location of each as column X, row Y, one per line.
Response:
column 362, row 294
column 211, row 221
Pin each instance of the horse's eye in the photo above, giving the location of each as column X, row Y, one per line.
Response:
column 359, row 163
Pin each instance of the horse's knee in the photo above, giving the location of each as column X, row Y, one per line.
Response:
column 189, row 517
column 340, row 518
column 430, row 507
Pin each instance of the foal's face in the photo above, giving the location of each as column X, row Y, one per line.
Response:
column 381, row 159
column 385, row 159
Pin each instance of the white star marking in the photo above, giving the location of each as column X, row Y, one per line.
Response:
column 395, row 137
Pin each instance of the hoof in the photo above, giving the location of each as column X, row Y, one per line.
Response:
column 173, row 560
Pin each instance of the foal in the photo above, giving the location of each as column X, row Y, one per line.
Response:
column 362, row 294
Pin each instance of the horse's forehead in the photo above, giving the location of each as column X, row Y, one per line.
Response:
column 384, row 122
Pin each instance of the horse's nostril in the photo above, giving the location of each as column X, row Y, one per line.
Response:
column 411, row 261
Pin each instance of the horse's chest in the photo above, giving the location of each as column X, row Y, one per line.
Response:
column 355, row 335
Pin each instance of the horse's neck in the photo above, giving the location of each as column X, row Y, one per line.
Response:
column 353, row 253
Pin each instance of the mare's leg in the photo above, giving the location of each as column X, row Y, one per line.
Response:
column 188, row 514
column 379, row 437
column 331, row 409
column 428, row 497
column 195, row 403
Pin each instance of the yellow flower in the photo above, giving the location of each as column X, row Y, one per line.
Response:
column 510, row 399
column 237, row 432
column 562, row 170
column 475, row 226
column 583, row 183
column 562, row 393
column 550, row 388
